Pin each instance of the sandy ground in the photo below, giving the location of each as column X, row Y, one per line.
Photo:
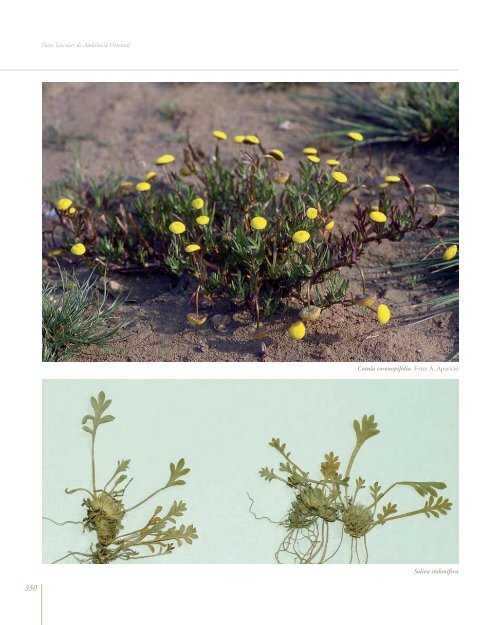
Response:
column 120, row 127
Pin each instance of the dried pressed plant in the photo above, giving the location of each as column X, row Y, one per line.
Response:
column 323, row 511
column 105, row 511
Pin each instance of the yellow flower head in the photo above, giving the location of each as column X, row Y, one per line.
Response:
column 151, row 175
column 309, row 151
column 383, row 314
column 177, row 227
column 258, row 223
column 313, row 158
column 54, row 253
column 203, row 220
column 312, row 213
column 239, row 138
column 72, row 210
column 165, row 159
column 338, row 176
column 198, row 203
column 301, row 236
column 277, row 154
column 64, row 203
column 126, row 186
column 329, row 225
column 333, row 162
column 450, row 252
column 383, row 185
column 192, row 248
column 392, row 179
column 251, row 140
column 219, row 134
column 378, row 216
column 297, row 330
column 281, row 177
column 143, row 186
column 78, row 249
column 355, row 136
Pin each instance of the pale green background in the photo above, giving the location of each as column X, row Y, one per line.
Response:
column 222, row 429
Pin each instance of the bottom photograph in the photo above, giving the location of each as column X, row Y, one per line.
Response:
column 250, row 471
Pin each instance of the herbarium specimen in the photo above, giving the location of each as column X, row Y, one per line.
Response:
column 105, row 510
column 324, row 511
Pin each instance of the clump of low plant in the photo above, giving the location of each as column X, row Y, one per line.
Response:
column 249, row 230
column 426, row 113
column 105, row 512
column 75, row 315
column 325, row 510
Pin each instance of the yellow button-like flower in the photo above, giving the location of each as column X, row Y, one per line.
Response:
column 355, row 136
column 78, row 249
column 165, row 159
column 383, row 185
column 198, row 203
column 313, row 158
column 333, row 162
column 338, row 176
column 258, row 223
column 277, row 154
column 309, row 151
column 151, row 175
column 126, row 186
column 297, row 330
column 392, row 179
column 312, row 213
column 54, row 253
column 193, row 247
column 383, row 314
column 177, row 227
column 64, row 203
column 301, row 236
column 142, row 186
column 251, row 139
column 203, row 220
column 72, row 210
column 450, row 252
column 378, row 216
column 219, row 134
column 329, row 225
column 239, row 138
column 281, row 177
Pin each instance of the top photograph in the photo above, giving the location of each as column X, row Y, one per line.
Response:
column 247, row 222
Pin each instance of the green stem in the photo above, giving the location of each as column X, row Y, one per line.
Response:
column 147, row 498
column 398, row 516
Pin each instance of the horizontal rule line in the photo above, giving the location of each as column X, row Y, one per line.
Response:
column 224, row 70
